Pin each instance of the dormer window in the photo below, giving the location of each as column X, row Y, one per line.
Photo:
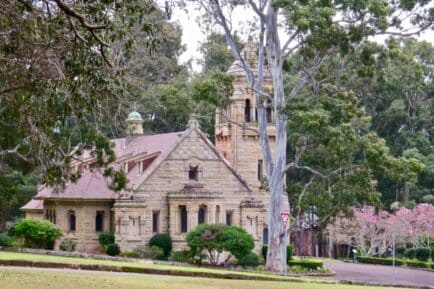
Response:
column 193, row 173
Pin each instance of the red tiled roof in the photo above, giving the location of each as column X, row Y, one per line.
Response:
column 93, row 185
column 33, row 205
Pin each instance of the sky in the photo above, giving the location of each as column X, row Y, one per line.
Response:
column 193, row 34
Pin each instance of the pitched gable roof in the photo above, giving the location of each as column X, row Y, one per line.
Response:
column 193, row 127
column 93, row 185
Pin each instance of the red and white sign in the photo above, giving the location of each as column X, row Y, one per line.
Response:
column 284, row 219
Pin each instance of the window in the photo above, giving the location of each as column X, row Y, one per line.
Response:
column 50, row 215
column 201, row 215
column 247, row 108
column 265, row 236
column 155, row 221
column 71, row 221
column 260, row 170
column 183, row 216
column 99, row 221
column 193, row 173
column 229, row 218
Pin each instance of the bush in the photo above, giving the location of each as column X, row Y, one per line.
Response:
column 5, row 240
column 67, row 245
column 113, row 249
column 39, row 234
column 380, row 261
column 183, row 256
column 216, row 238
column 289, row 255
column 162, row 241
column 307, row 264
column 264, row 252
column 400, row 251
column 152, row 252
column 410, row 253
column 106, row 238
column 417, row 264
column 250, row 260
column 129, row 255
column 422, row 254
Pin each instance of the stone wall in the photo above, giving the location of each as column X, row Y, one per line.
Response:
column 85, row 213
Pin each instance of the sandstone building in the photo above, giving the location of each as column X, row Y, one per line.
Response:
column 175, row 181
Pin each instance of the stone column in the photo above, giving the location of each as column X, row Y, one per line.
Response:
column 211, row 214
column 172, row 221
column 192, row 211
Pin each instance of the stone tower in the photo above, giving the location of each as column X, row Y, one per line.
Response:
column 234, row 140
column 134, row 123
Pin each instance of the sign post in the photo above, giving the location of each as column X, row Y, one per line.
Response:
column 284, row 220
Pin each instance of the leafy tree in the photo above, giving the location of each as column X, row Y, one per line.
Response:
column 216, row 53
column 16, row 189
column 215, row 239
column 316, row 29
column 61, row 79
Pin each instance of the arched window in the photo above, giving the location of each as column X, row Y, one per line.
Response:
column 265, row 236
column 201, row 215
column 247, row 109
column 71, row 221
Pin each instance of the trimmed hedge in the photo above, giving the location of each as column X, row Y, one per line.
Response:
column 113, row 249
column 307, row 264
column 398, row 262
column 380, row 261
column 289, row 255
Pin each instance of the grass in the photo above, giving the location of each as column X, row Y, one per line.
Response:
column 138, row 264
column 42, row 279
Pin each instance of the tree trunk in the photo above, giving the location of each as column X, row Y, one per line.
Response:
column 276, row 257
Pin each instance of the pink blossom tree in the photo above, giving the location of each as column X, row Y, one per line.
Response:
column 371, row 232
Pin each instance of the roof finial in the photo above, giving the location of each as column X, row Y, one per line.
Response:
column 192, row 122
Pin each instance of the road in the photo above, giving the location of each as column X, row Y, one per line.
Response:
column 380, row 274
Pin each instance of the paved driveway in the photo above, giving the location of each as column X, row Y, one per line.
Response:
column 381, row 274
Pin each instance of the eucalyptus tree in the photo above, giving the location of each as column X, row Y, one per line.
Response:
column 314, row 28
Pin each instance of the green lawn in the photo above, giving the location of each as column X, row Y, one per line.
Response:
column 139, row 263
column 39, row 279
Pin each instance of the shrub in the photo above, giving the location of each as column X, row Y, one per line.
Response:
column 400, row 251
column 5, row 240
column 250, row 260
column 422, row 254
column 264, row 252
column 152, row 252
column 162, row 241
column 216, row 238
column 113, row 249
column 106, row 238
column 237, row 241
column 307, row 264
column 129, row 255
column 67, row 245
column 381, row 261
column 37, row 233
column 410, row 253
column 417, row 264
column 183, row 256
column 288, row 253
